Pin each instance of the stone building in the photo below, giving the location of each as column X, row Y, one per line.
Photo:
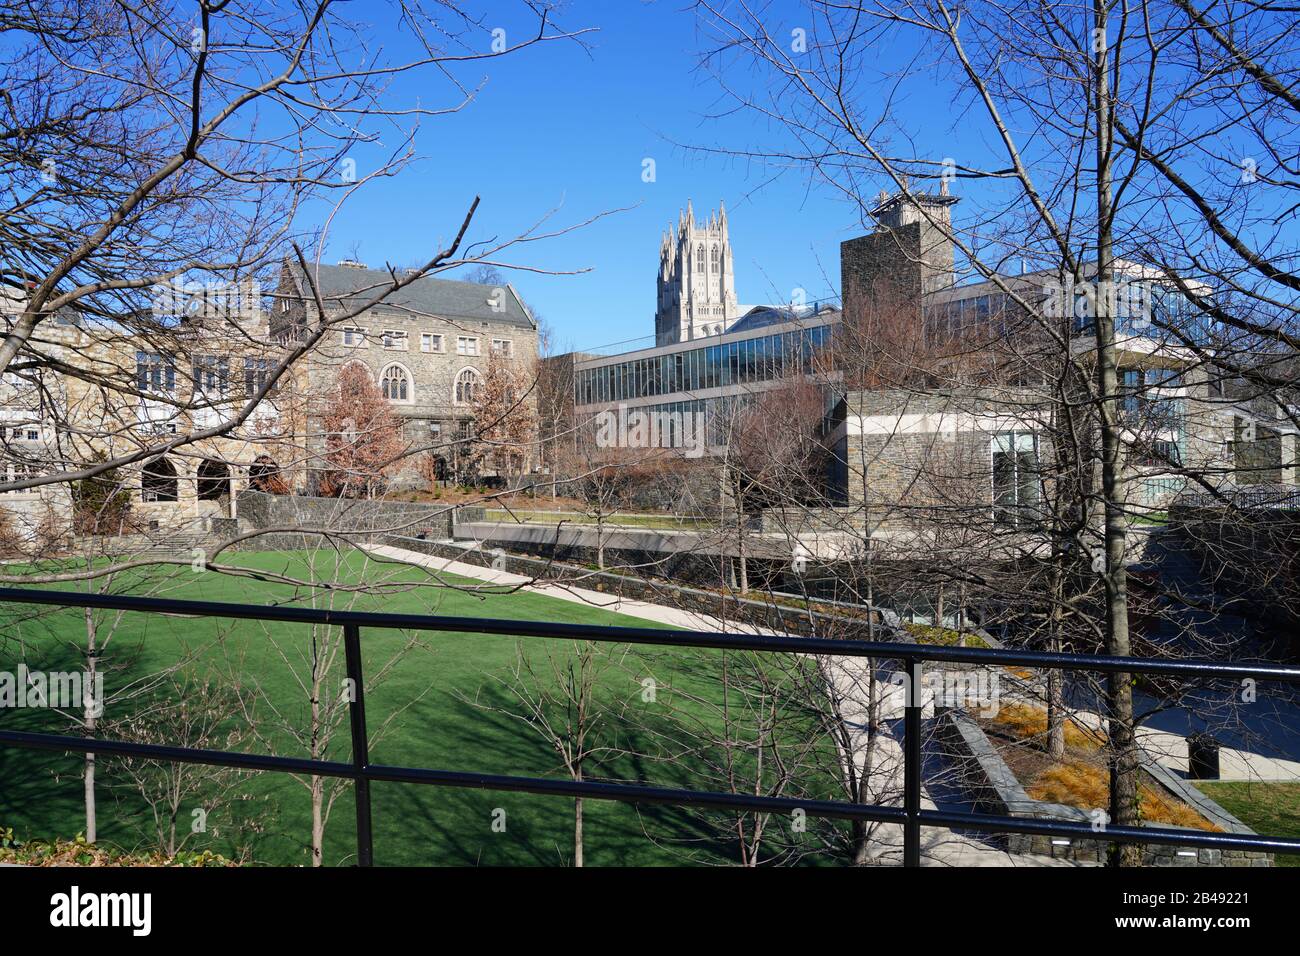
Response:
column 183, row 375
column 697, row 281
column 989, row 386
column 428, row 346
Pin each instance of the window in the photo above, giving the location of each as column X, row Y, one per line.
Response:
column 430, row 342
column 466, row 345
column 17, row 471
column 503, row 347
column 1137, row 387
column 394, row 340
column 158, row 481
column 395, row 383
column 354, row 336
column 284, row 306
column 1164, row 452
column 154, row 373
column 435, row 430
column 467, row 386
column 1015, row 480
column 465, row 430
column 713, row 257
column 211, row 376
column 256, row 373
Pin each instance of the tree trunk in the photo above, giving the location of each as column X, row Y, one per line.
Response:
column 1055, row 676
column 1123, row 750
column 577, row 829
column 862, row 828
column 89, row 721
column 1055, row 713
column 317, row 820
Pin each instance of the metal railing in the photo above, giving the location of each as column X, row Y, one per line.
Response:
column 910, row 816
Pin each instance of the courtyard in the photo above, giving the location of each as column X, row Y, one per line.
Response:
column 443, row 703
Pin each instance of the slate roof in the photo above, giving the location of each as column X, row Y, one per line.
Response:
column 428, row 295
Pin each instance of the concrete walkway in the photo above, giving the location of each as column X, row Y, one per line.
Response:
column 688, row 620
column 940, row 847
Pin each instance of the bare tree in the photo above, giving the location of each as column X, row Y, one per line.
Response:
column 185, row 801
column 564, row 699
column 120, row 122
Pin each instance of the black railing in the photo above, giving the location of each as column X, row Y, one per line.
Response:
column 910, row 816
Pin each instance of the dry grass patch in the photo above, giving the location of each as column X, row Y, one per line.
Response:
column 1077, row 783
column 1081, row 779
column 1026, row 722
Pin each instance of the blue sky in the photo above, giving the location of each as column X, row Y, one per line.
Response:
column 558, row 127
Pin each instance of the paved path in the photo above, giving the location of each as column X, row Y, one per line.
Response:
column 1170, row 750
column 940, row 847
column 645, row 610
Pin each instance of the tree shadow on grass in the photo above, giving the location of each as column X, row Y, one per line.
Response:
column 417, row 824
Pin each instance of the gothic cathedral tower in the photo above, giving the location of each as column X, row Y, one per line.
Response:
column 697, row 286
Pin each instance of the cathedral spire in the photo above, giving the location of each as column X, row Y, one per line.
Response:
column 697, row 290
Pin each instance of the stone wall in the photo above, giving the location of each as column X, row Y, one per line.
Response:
column 913, row 460
column 725, row 606
column 348, row 515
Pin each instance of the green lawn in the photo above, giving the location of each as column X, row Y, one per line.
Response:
column 1271, row 809
column 41, row 793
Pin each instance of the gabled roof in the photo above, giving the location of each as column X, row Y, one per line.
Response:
column 350, row 286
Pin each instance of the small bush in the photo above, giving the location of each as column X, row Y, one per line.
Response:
column 80, row 853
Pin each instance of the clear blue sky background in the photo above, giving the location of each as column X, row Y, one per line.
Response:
column 559, row 127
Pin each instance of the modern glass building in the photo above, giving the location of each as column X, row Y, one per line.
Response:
column 707, row 377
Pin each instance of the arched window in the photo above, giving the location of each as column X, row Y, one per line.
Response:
column 699, row 258
column 467, row 386
column 158, row 481
column 713, row 257
column 264, row 475
column 395, row 383
column 213, row 480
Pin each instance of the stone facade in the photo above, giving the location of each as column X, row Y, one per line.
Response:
column 191, row 378
column 908, row 256
column 912, row 457
column 697, row 281
column 427, row 346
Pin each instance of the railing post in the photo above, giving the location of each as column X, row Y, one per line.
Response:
column 360, row 743
column 912, row 765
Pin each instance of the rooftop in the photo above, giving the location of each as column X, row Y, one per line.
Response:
column 350, row 284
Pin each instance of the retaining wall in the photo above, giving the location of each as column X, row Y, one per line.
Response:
column 993, row 788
